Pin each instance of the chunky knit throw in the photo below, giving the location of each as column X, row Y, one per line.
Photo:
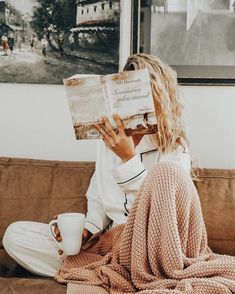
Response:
column 161, row 249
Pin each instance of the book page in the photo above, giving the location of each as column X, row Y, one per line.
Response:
column 87, row 104
column 130, row 96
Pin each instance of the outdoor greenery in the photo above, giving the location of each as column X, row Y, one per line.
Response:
column 53, row 17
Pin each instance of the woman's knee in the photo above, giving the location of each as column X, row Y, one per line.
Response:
column 11, row 236
column 169, row 174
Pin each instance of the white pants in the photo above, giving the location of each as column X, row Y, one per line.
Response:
column 31, row 245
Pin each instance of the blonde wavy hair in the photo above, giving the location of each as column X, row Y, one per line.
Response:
column 171, row 133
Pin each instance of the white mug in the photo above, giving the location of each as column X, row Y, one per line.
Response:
column 71, row 227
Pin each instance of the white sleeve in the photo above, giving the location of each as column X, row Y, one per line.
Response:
column 96, row 218
column 130, row 175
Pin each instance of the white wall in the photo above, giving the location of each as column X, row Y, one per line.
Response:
column 209, row 116
column 35, row 123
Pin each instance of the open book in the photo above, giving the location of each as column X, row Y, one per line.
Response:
column 127, row 93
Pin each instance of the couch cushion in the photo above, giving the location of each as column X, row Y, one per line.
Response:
column 35, row 190
column 216, row 188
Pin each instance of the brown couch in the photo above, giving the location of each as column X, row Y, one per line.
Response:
column 36, row 190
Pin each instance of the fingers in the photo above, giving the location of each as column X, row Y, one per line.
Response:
column 119, row 124
column 107, row 132
column 113, row 140
column 57, row 233
column 56, row 230
column 104, row 135
column 108, row 127
column 101, row 130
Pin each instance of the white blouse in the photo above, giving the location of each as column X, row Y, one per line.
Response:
column 114, row 184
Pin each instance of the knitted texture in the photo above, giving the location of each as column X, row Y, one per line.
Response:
column 161, row 249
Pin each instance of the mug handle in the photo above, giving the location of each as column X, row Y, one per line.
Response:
column 51, row 224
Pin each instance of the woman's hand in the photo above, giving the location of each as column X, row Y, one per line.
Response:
column 86, row 235
column 57, row 234
column 121, row 144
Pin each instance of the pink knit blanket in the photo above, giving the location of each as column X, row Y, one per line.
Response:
column 161, row 249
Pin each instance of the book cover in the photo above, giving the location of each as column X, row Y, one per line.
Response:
column 127, row 93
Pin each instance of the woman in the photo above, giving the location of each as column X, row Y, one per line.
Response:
column 143, row 201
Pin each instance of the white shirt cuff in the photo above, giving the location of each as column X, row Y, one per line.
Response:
column 128, row 171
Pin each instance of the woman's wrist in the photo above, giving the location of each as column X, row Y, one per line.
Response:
column 127, row 157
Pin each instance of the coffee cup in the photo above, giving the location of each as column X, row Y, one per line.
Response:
column 71, row 226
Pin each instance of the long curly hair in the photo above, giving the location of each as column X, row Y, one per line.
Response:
column 171, row 133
